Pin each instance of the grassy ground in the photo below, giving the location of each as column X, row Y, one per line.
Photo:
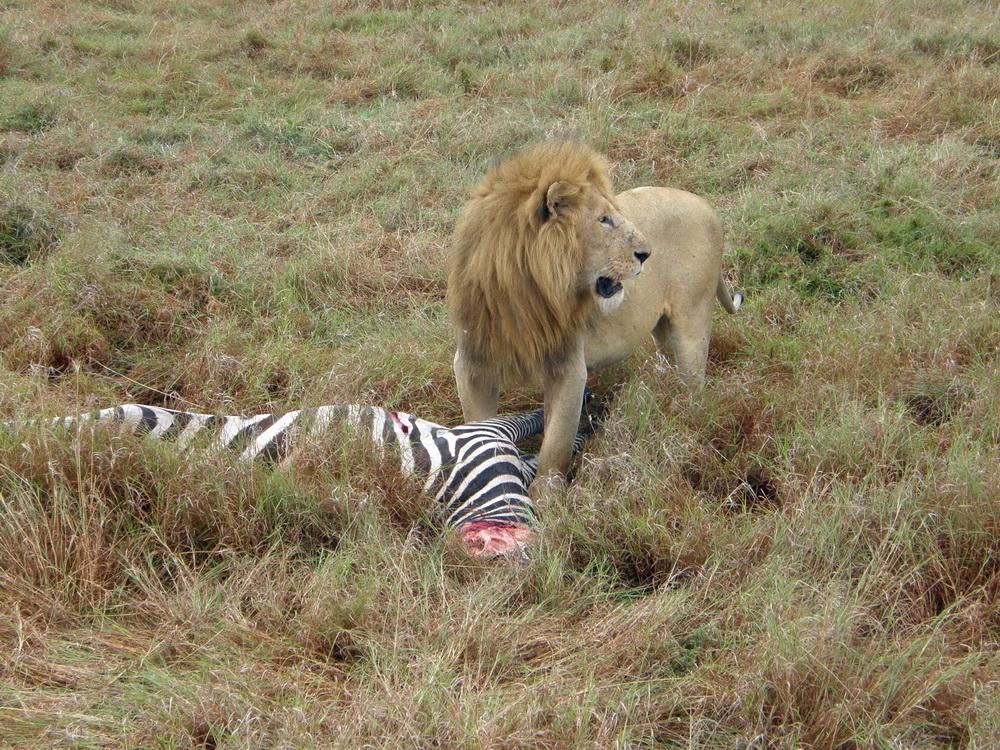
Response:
column 239, row 206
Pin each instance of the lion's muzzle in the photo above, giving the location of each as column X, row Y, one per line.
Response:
column 607, row 287
column 642, row 253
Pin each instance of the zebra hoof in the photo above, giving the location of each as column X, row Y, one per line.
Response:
column 485, row 539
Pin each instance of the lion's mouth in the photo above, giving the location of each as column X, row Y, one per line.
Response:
column 607, row 288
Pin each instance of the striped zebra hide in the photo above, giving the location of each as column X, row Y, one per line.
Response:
column 473, row 472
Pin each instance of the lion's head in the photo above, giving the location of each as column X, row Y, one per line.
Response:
column 538, row 243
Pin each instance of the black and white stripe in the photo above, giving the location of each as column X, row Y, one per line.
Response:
column 474, row 471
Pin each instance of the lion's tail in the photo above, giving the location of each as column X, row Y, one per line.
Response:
column 731, row 301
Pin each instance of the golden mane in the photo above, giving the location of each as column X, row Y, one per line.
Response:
column 513, row 279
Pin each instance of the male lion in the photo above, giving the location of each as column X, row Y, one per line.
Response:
column 544, row 283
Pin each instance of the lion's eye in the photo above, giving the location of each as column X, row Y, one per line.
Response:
column 608, row 221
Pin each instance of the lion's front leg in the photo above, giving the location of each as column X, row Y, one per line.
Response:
column 563, row 403
column 478, row 393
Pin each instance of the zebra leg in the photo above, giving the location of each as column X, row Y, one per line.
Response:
column 529, row 461
column 516, row 428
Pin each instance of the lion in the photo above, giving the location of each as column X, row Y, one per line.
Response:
column 552, row 276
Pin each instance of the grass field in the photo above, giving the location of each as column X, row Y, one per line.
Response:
column 243, row 206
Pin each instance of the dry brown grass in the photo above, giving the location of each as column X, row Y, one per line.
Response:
column 243, row 207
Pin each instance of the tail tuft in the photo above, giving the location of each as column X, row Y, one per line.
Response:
column 737, row 300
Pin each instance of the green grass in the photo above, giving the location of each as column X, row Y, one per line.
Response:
column 239, row 207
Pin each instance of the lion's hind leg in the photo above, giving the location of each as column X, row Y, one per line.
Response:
column 683, row 340
column 661, row 336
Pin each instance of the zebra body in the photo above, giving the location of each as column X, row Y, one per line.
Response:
column 474, row 471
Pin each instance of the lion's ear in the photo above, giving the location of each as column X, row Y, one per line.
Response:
column 557, row 198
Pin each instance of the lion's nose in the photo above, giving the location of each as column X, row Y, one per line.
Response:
column 641, row 256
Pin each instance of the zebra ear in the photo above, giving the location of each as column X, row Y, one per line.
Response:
column 557, row 198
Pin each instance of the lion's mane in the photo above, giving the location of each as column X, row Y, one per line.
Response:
column 514, row 276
